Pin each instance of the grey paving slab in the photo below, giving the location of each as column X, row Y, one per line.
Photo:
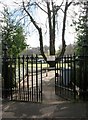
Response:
column 52, row 107
column 36, row 110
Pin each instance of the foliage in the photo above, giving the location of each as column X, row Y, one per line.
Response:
column 34, row 50
column 13, row 35
column 82, row 48
column 69, row 49
column 14, row 38
column 82, row 32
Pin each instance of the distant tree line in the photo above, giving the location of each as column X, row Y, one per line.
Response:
column 70, row 49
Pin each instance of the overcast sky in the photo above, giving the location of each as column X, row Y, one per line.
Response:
column 33, row 40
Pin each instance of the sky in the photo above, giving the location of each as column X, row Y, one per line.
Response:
column 32, row 40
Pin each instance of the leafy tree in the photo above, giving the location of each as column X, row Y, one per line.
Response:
column 82, row 31
column 14, row 38
column 69, row 49
column 13, row 35
column 82, row 49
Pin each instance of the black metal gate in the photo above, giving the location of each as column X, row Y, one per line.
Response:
column 71, row 77
column 22, row 78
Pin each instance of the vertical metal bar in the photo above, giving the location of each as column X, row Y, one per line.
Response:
column 5, row 76
column 19, row 76
column 68, row 70
column 32, row 75
column 62, row 90
column 27, row 77
column 74, row 77
column 10, row 77
column 65, row 71
column 4, row 71
column 36, row 78
column 69, row 74
column 85, row 79
column 41, row 81
column 15, row 73
column 80, row 72
column 71, row 80
column 23, row 72
column 62, row 72
column 55, row 76
column 23, row 77
column 15, row 67
column 60, row 62
column 65, row 76
column 58, row 78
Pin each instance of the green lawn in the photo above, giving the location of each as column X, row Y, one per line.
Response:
column 44, row 65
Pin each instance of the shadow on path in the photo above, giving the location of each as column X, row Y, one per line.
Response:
column 36, row 110
column 51, row 107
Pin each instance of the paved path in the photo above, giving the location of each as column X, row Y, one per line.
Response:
column 49, row 89
column 62, row 110
column 51, row 107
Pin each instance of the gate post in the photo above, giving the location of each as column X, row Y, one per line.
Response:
column 85, row 70
column 5, row 72
column 85, row 79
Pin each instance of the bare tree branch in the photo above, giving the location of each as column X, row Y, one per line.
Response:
column 41, row 8
column 69, row 4
column 63, row 31
column 32, row 20
column 39, row 31
column 59, row 7
column 22, row 18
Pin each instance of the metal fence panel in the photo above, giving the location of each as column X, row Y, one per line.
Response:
column 24, row 77
column 71, row 79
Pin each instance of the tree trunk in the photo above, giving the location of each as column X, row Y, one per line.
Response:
column 51, row 20
column 51, row 29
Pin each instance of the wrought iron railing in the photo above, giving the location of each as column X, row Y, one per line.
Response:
column 71, row 77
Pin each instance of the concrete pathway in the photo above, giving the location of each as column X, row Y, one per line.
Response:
column 52, row 106
column 62, row 110
column 49, row 89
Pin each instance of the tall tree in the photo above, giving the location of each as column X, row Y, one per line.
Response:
column 12, row 35
column 51, row 10
column 82, row 31
column 82, row 49
column 14, row 38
